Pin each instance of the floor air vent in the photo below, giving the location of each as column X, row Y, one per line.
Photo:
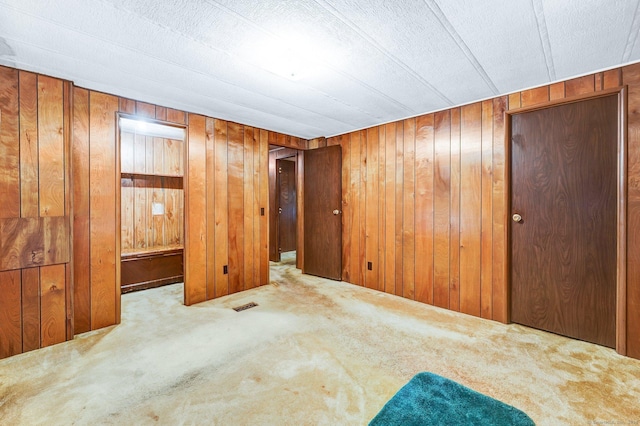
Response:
column 245, row 307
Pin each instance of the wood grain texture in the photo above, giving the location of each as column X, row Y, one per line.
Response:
column 30, row 309
column 556, row 91
column 356, row 258
column 81, row 214
column 102, row 225
column 535, row 96
column 500, row 213
column 424, row 207
column 470, row 208
column 399, row 174
column 515, row 101
column 195, row 251
column 347, row 210
column 33, row 241
column 9, row 144
column 29, row 175
column 580, row 86
column 53, row 312
column 145, row 110
column 442, row 208
column 382, row 235
column 361, row 164
column 300, row 218
column 249, row 212
column 211, row 224
column 631, row 77
column 51, row 147
column 612, row 79
column 10, row 314
column 127, row 106
column 255, row 207
column 454, row 200
column 235, row 169
column 409, row 209
column 486, row 249
column 176, row 116
column 221, row 208
column 372, row 216
column 264, row 204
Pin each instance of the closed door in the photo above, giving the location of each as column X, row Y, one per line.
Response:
column 563, row 224
column 323, row 212
column 286, row 196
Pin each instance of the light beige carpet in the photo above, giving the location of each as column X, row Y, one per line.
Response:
column 313, row 352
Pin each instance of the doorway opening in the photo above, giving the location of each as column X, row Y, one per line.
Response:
column 284, row 205
column 151, row 225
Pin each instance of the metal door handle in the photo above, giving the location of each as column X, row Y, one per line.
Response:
column 516, row 217
column 336, row 212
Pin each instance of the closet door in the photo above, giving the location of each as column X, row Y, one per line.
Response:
column 35, row 251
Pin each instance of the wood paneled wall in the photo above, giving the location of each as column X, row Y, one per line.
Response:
column 227, row 208
column 35, row 273
column 152, row 170
column 425, row 201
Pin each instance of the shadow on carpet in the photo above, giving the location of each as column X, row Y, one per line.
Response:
column 429, row 399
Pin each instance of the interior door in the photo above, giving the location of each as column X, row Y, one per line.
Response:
column 286, row 196
column 323, row 212
column 563, row 224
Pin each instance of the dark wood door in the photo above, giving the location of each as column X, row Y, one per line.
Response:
column 286, row 196
column 323, row 212
column 563, row 250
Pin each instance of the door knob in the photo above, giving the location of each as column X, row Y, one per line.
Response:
column 336, row 212
column 280, row 210
column 516, row 217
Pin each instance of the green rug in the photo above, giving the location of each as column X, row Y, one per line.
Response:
column 429, row 399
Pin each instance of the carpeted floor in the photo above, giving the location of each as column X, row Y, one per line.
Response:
column 313, row 352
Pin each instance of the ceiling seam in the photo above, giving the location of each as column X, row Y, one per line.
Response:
column 337, row 71
column 446, row 24
column 190, row 69
column 545, row 42
column 331, row 9
column 633, row 34
column 159, row 83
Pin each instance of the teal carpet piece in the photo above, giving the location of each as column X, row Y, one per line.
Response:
column 429, row 399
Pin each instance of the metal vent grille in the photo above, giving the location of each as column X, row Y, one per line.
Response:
column 245, row 307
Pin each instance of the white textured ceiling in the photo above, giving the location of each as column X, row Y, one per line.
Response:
column 360, row 63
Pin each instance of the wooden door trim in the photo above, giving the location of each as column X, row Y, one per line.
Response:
column 621, row 217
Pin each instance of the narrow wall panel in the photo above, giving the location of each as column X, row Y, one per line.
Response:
column 9, row 144
column 127, row 106
column 10, row 314
column 264, row 204
column 362, row 231
column 372, row 217
column 454, row 243
column 409, row 229
column 356, row 257
column 470, row 208
column 424, row 203
column 221, row 208
column 235, row 169
column 399, row 175
column 347, row 210
column 127, row 217
column 81, row 213
column 248, row 212
column 535, row 96
column 30, row 309
column 51, row 147
column 211, row 228
column 102, row 187
column 126, row 152
column 256, row 218
column 556, row 91
column 486, row 254
column 580, row 86
column 196, row 226
column 53, row 318
column 29, row 176
column 442, row 206
column 382, row 188
column 145, row 110
column 500, row 206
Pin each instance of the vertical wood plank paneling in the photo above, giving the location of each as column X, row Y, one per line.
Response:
column 50, row 147
column 598, row 81
column 470, row 207
column 127, row 106
column 10, row 314
column 300, row 211
column 556, row 91
column 157, row 197
column 81, row 213
column 158, row 145
column 139, row 154
column 424, row 203
column 145, row 110
column 631, row 77
column 126, row 152
column 140, row 212
column 221, row 208
column 347, row 208
column 442, row 208
column 9, row 144
column 257, row 219
column 409, row 229
column 176, row 116
column 264, row 204
column 52, row 291
column 362, row 231
column 382, row 186
column 612, row 79
column 211, row 223
column 249, row 213
column 355, row 257
column 102, row 187
column 29, row 196
column 30, row 309
column 486, row 254
column 372, row 217
column 514, row 101
column 454, row 252
column 500, row 206
column 127, row 216
column 399, row 158
column 579, row 86
column 235, row 169
column 535, row 96
column 161, row 113
column 195, row 255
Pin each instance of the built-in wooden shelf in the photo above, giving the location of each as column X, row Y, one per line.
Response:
column 151, row 251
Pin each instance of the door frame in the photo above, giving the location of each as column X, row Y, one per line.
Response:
column 621, row 201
